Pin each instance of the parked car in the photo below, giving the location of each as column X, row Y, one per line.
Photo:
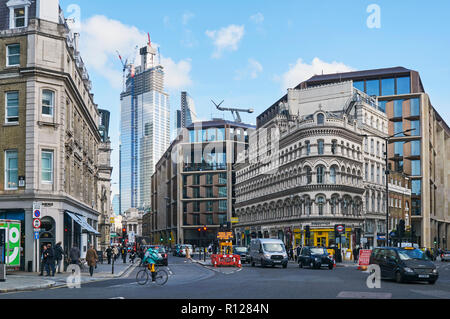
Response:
column 445, row 256
column 404, row 264
column 242, row 252
column 163, row 254
column 268, row 252
column 315, row 257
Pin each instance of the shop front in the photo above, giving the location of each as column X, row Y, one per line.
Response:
column 19, row 216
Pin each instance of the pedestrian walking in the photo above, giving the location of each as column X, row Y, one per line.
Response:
column 299, row 248
column 355, row 254
column 43, row 259
column 50, row 264
column 91, row 258
column 116, row 252
column 59, row 254
column 109, row 254
column 124, row 254
column 74, row 255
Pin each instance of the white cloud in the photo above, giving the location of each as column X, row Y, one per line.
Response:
column 302, row 71
column 101, row 37
column 252, row 70
column 226, row 39
column 257, row 18
column 186, row 17
column 177, row 75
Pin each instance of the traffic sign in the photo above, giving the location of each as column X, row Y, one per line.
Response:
column 36, row 235
column 36, row 223
column 37, row 214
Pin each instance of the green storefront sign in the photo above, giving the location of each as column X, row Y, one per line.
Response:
column 12, row 244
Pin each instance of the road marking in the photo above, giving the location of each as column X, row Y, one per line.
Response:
column 364, row 295
column 117, row 298
column 433, row 293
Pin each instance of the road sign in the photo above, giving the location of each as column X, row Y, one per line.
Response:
column 225, row 235
column 234, row 220
column 131, row 237
column 364, row 257
column 111, row 220
column 36, row 235
column 36, row 214
column 36, row 223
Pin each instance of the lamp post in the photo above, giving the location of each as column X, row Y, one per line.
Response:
column 387, row 139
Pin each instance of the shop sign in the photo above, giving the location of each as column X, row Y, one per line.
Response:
column 297, row 230
column 21, row 181
column 224, row 235
column 12, row 242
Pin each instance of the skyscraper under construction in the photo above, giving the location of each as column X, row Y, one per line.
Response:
column 144, row 129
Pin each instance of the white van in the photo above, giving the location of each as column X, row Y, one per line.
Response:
column 268, row 252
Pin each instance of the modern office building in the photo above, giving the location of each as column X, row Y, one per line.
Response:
column 423, row 154
column 193, row 184
column 144, row 130
column 187, row 114
column 116, row 204
column 321, row 173
column 49, row 136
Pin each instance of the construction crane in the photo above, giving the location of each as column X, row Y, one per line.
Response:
column 234, row 111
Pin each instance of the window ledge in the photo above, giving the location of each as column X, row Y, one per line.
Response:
column 45, row 123
column 11, row 124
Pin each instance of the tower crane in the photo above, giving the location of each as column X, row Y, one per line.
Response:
column 234, row 111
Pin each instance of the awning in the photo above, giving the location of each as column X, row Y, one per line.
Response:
column 82, row 221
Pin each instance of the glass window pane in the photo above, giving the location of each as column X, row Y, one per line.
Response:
column 382, row 106
column 359, row 85
column 416, row 187
column 398, row 128
column 373, row 87
column 415, row 126
column 403, row 85
column 415, row 107
column 415, row 148
column 387, row 87
column 415, row 168
column 220, row 134
column 11, row 169
column 398, row 108
column 398, row 148
column 13, row 49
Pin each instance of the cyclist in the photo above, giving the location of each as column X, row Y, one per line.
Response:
column 151, row 257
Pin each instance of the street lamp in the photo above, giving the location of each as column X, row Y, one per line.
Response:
column 386, row 139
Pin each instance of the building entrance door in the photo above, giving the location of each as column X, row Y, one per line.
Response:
column 321, row 240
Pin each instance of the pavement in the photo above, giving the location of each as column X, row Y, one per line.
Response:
column 26, row 281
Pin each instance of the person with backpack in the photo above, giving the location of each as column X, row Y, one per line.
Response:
column 59, row 253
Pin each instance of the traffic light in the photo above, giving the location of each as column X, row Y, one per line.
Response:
column 205, row 228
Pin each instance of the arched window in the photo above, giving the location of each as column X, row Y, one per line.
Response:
column 320, row 119
column 333, row 204
column 320, row 204
column 307, row 206
column 320, row 174
column 308, row 175
column 333, row 175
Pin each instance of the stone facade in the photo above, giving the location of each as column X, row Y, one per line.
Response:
column 317, row 176
column 55, row 142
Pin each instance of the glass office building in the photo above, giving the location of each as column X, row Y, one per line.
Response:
column 144, row 134
column 420, row 154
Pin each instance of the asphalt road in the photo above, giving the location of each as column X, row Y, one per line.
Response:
column 189, row 280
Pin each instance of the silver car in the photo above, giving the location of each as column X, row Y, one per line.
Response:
column 268, row 252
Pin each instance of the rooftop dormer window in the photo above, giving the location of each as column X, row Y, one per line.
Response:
column 18, row 13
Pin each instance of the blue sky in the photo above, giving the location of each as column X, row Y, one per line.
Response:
column 248, row 52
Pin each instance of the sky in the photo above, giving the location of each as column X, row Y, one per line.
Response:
column 249, row 52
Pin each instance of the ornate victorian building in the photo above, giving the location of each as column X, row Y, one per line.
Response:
column 326, row 168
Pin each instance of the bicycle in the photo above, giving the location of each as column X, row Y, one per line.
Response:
column 161, row 275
